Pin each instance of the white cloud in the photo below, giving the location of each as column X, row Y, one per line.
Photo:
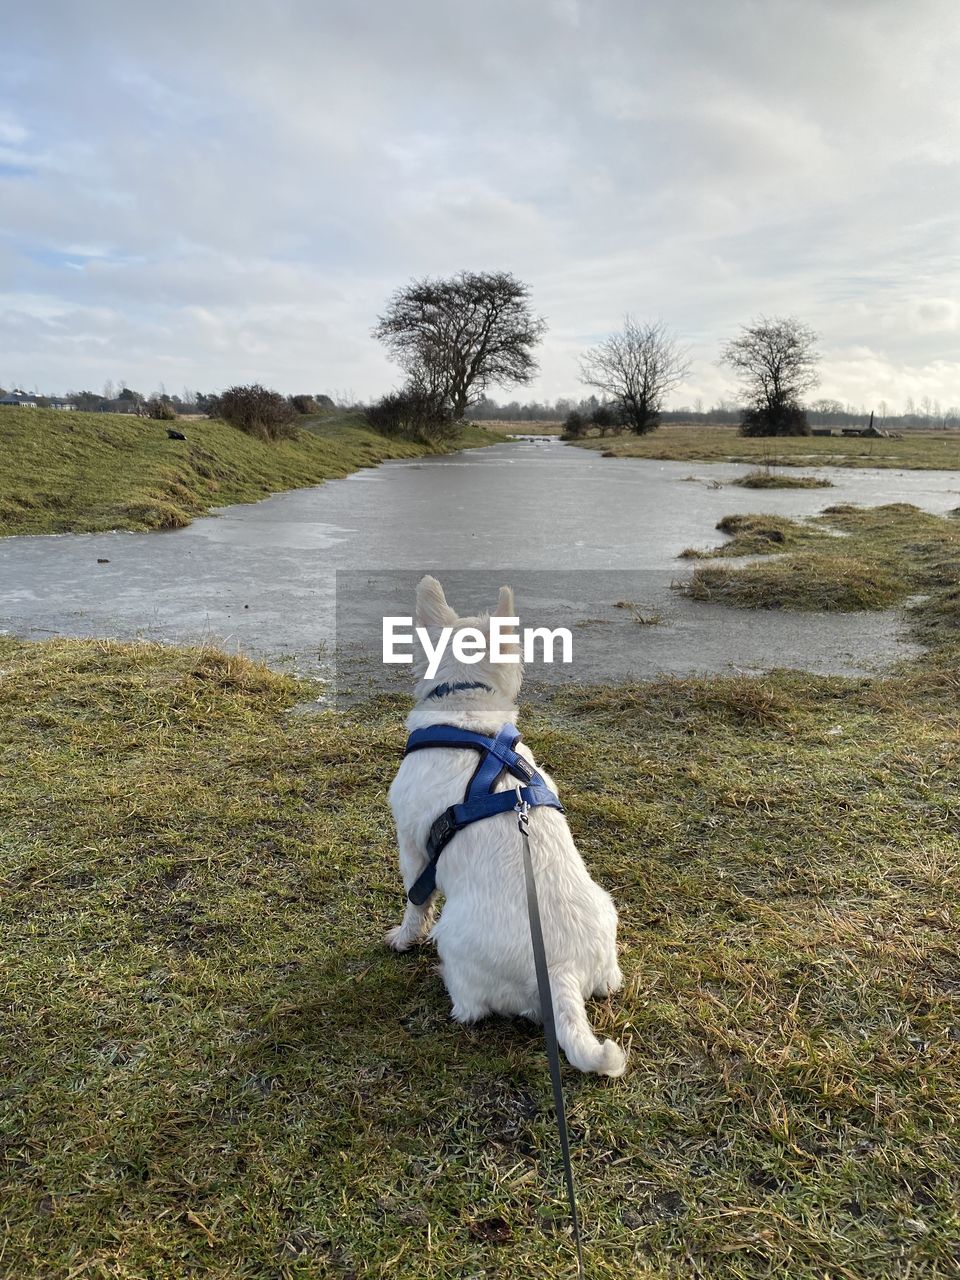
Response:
column 12, row 134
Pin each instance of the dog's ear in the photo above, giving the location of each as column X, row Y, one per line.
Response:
column 432, row 607
column 505, row 604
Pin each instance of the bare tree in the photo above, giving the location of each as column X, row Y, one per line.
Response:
column 776, row 363
column 637, row 368
column 454, row 338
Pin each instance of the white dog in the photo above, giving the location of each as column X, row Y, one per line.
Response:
column 483, row 936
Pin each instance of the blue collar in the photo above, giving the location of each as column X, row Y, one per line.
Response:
column 441, row 690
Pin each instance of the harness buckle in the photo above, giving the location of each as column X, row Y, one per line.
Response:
column 522, row 810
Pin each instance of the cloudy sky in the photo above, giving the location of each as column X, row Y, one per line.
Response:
column 199, row 193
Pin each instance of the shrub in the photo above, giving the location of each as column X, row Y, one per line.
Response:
column 160, row 409
column 304, row 404
column 574, row 426
column 605, row 418
column 413, row 415
column 258, row 412
column 774, row 420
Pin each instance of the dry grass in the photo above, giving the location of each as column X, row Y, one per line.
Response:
column 642, row 614
column 211, row 1066
column 767, row 479
column 916, row 450
column 819, row 583
column 756, row 534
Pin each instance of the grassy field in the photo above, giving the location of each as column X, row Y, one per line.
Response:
column 211, row 1066
column 82, row 472
column 917, row 450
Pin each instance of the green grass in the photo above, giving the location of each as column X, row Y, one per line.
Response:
column 916, row 450
column 212, row 1066
column 884, row 555
column 83, row 473
column 767, row 479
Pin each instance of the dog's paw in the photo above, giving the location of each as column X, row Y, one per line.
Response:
column 398, row 939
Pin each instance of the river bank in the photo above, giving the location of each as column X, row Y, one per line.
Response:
column 90, row 472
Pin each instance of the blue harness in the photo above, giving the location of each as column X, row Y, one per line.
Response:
column 497, row 756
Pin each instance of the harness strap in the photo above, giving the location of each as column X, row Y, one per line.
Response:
column 501, row 747
column 502, row 802
column 462, row 815
column 497, row 756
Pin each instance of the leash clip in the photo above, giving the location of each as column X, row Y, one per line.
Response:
column 522, row 810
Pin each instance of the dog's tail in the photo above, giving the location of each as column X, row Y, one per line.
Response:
column 584, row 1051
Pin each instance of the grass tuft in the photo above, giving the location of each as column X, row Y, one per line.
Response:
column 152, row 513
column 757, row 535
column 641, row 614
column 766, row 479
column 809, row 582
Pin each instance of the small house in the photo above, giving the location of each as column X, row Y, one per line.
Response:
column 19, row 400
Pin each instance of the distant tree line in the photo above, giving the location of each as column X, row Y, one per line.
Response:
column 458, row 337
column 489, row 410
column 824, row 412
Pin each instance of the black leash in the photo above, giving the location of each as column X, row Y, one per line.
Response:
column 549, row 1023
